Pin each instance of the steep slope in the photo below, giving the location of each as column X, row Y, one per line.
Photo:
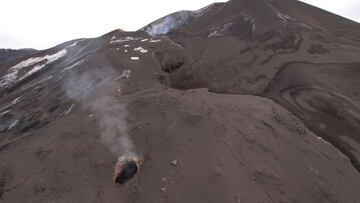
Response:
column 247, row 43
column 261, row 37
column 245, row 101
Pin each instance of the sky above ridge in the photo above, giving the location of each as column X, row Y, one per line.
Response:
column 42, row 24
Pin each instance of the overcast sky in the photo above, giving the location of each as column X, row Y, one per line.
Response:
column 42, row 24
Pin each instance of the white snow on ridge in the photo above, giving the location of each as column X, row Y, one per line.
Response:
column 135, row 58
column 154, row 40
column 140, row 49
column 74, row 65
column 75, row 43
column 126, row 39
column 50, row 59
column 13, row 72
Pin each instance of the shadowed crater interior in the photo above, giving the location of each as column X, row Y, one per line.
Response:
column 129, row 170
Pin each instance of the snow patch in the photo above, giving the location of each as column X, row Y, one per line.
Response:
column 75, row 43
column 220, row 30
column 126, row 45
column 154, row 40
column 36, row 83
column 50, row 59
column 72, row 45
column 15, row 101
column 284, row 17
column 126, row 39
column 144, row 40
column 13, row 124
column 74, row 65
column 13, row 72
column 135, row 58
column 4, row 113
column 140, row 49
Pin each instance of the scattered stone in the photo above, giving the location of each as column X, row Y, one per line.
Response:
column 175, row 162
column 124, row 75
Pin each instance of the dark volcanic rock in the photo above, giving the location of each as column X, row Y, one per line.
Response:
column 257, row 100
column 170, row 59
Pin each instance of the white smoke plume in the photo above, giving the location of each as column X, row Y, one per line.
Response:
column 97, row 90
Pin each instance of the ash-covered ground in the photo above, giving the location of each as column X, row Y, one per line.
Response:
column 244, row 101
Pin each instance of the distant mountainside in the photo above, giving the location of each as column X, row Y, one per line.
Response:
column 7, row 55
column 244, row 101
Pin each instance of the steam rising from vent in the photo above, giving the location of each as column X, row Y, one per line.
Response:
column 112, row 117
column 96, row 89
column 174, row 21
column 170, row 23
